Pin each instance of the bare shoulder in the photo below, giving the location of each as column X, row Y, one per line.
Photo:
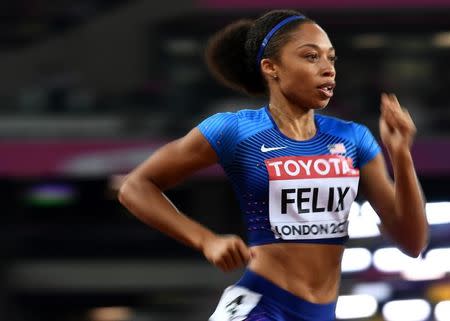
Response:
column 177, row 160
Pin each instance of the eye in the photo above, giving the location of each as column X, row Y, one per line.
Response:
column 312, row 57
column 333, row 59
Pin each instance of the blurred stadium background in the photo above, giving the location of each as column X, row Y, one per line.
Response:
column 91, row 87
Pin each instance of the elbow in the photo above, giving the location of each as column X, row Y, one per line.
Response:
column 131, row 190
column 415, row 248
column 413, row 252
column 121, row 195
column 124, row 192
column 420, row 243
column 412, row 239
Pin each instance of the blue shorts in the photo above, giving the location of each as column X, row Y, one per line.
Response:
column 254, row 298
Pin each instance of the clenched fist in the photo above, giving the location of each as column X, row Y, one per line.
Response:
column 227, row 252
column 397, row 129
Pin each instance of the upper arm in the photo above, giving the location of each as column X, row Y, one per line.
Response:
column 177, row 160
column 378, row 188
column 212, row 141
column 375, row 183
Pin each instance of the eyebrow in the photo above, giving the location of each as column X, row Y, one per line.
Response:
column 314, row 46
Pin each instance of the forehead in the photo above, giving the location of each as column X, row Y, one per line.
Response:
column 309, row 33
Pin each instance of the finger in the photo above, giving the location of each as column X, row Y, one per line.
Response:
column 395, row 115
column 228, row 261
column 386, row 104
column 244, row 252
column 387, row 117
column 384, row 111
column 411, row 126
column 217, row 262
column 403, row 120
column 233, row 257
column 237, row 258
column 405, row 124
column 383, row 105
column 222, row 263
column 384, row 127
column 394, row 119
column 408, row 117
column 382, row 124
column 394, row 100
column 395, row 105
column 240, row 253
column 223, row 267
column 390, row 102
column 386, row 97
column 384, row 101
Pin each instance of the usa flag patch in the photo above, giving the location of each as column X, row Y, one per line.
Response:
column 337, row 149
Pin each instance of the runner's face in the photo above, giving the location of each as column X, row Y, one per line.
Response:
column 306, row 67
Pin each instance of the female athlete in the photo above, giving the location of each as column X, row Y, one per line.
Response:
column 295, row 173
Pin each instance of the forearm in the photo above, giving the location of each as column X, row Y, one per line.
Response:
column 147, row 202
column 411, row 224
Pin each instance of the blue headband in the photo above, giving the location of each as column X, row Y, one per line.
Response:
column 270, row 34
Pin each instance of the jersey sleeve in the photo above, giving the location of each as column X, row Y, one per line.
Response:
column 221, row 131
column 367, row 145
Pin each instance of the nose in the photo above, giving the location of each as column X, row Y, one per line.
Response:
column 328, row 71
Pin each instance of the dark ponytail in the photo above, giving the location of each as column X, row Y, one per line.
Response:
column 231, row 52
column 227, row 58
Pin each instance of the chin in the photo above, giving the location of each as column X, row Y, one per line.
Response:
column 321, row 104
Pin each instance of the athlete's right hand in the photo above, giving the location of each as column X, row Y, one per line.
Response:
column 227, row 252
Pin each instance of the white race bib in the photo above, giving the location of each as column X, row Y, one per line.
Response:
column 310, row 197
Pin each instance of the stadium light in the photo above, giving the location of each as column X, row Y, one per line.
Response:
column 407, row 310
column 362, row 221
column 381, row 291
column 442, row 311
column 438, row 213
column 356, row 306
column 439, row 257
column 356, row 259
column 391, row 260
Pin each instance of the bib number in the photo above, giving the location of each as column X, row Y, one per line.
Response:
column 310, row 197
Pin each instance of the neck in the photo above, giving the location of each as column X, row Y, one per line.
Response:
column 294, row 122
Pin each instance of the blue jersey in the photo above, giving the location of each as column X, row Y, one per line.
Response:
column 289, row 190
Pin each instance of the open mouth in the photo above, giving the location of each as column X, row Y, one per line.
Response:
column 327, row 89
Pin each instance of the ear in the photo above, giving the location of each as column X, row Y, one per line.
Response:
column 269, row 69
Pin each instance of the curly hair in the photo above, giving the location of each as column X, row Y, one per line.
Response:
column 231, row 53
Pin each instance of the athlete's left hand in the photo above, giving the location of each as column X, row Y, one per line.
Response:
column 397, row 129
